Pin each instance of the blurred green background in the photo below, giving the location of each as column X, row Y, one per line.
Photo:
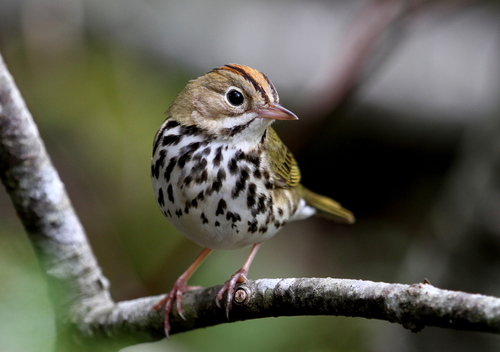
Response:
column 413, row 153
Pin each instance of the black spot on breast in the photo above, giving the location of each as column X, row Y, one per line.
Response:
column 251, row 195
column 170, row 168
column 203, row 177
column 170, row 139
column 268, row 184
column 178, row 212
column 218, row 157
column 238, row 187
column 184, row 158
column 252, row 188
column 161, row 200
column 199, row 167
column 241, row 182
column 200, row 196
column 221, row 175
column 221, row 207
column 252, row 226
column 187, row 207
column 194, row 203
column 233, row 166
column 240, row 155
column 204, row 218
column 197, row 157
column 170, row 193
column 172, row 124
column 217, row 224
column 257, row 174
column 188, row 180
column 253, row 158
column 191, row 147
column 216, row 186
column 263, row 229
column 155, row 170
column 250, row 201
column 245, row 173
column 234, row 217
column 206, row 151
column 262, row 205
column 186, row 153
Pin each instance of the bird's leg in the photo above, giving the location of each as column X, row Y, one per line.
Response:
column 180, row 286
column 239, row 276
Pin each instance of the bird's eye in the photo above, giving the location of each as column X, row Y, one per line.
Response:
column 235, row 97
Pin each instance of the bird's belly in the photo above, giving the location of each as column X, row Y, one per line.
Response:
column 221, row 231
column 217, row 219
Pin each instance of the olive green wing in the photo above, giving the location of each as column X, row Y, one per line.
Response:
column 283, row 164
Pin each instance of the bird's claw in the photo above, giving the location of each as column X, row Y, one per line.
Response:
column 174, row 295
column 229, row 286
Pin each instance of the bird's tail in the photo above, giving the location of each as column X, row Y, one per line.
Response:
column 327, row 208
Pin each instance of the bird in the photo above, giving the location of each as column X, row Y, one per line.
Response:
column 222, row 176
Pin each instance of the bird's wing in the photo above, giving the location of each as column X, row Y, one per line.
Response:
column 283, row 164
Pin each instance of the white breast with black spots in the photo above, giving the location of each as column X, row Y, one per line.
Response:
column 215, row 194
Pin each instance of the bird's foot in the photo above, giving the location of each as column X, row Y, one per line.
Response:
column 237, row 277
column 174, row 295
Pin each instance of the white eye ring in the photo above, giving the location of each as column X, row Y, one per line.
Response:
column 234, row 97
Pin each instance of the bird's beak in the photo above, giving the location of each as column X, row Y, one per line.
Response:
column 276, row 112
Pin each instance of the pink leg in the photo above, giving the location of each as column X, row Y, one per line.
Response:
column 239, row 276
column 180, row 286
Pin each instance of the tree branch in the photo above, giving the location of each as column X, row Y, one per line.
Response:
column 85, row 312
column 75, row 281
column 413, row 306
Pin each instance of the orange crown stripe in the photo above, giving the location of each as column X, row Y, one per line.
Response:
column 259, row 80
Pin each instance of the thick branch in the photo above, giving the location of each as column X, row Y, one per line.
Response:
column 413, row 306
column 76, row 284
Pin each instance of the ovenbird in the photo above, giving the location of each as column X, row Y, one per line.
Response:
column 222, row 176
